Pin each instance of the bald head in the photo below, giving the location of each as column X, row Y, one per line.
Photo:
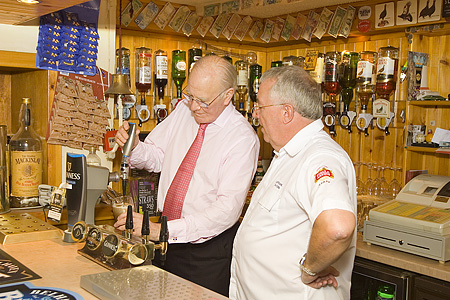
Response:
column 218, row 68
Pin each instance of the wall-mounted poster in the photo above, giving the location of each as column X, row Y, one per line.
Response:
column 429, row 10
column 384, row 15
column 406, row 12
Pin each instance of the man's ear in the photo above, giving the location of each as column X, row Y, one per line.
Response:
column 228, row 96
column 288, row 113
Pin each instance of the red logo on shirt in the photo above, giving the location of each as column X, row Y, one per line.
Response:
column 323, row 173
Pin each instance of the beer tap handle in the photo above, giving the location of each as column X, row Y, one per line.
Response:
column 129, row 222
column 145, row 231
column 164, row 238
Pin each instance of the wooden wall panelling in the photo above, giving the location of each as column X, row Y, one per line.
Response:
column 5, row 100
column 444, row 64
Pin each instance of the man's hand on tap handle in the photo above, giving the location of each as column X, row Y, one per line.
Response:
column 155, row 228
column 122, row 135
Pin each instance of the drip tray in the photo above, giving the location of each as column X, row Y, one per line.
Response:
column 16, row 227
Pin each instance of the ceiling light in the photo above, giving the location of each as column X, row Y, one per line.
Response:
column 29, row 1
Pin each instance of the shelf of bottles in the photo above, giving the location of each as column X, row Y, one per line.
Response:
column 159, row 79
column 356, row 87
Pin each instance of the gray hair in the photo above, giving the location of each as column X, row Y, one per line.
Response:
column 219, row 67
column 296, row 87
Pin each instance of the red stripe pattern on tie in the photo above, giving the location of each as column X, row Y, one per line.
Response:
column 180, row 183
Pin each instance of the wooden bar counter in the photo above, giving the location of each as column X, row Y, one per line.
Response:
column 58, row 264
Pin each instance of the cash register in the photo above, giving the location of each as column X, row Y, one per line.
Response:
column 417, row 221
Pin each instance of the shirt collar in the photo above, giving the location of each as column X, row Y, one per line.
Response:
column 222, row 119
column 302, row 138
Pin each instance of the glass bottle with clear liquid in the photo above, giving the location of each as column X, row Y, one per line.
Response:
column 123, row 62
column 387, row 66
column 365, row 87
column 26, row 161
column 242, row 84
column 92, row 158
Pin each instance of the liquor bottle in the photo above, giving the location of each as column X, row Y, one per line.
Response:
column 277, row 63
column 317, row 74
column 26, row 161
column 161, row 74
column 385, row 292
column 229, row 59
column 259, row 172
column 242, row 84
column 332, row 88
column 293, row 60
column 255, row 77
column 387, row 66
column 123, row 62
column 178, row 70
column 194, row 54
column 123, row 67
column 347, row 79
column 365, row 87
column 143, row 80
column 92, row 158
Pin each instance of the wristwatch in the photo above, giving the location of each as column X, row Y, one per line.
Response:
column 305, row 269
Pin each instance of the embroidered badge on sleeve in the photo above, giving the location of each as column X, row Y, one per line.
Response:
column 323, row 173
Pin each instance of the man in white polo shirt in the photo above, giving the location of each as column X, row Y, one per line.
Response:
column 298, row 237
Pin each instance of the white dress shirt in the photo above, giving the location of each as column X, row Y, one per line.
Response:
column 222, row 176
column 310, row 174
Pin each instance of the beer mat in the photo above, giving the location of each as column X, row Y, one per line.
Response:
column 13, row 271
column 27, row 291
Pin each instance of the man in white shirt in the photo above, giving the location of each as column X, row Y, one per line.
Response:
column 298, row 236
column 200, row 241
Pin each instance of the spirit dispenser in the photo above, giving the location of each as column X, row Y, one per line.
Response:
column 347, row 79
column 317, row 73
column 194, row 54
column 332, row 88
column 178, row 72
column 161, row 75
column 123, row 67
column 242, row 85
column 387, row 66
column 255, row 77
column 143, row 81
column 365, row 87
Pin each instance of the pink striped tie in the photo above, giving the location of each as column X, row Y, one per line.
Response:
column 180, row 183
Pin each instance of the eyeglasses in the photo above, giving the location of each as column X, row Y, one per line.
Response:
column 201, row 103
column 257, row 107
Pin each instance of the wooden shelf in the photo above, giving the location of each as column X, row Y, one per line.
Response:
column 430, row 103
column 421, row 149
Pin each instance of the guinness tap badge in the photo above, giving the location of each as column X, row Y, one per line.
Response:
column 69, row 166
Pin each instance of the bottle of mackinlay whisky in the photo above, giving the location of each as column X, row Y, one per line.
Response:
column 26, row 161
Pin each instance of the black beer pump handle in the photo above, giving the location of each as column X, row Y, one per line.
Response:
column 145, row 231
column 164, row 233
column 129, row 220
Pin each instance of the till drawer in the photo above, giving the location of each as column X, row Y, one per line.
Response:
column 408, row 240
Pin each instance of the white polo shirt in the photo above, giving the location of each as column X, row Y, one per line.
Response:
column 310, row 174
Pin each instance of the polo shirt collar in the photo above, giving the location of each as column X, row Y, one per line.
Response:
column 302, row 138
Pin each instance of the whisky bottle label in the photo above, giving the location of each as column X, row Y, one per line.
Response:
column 26, row 173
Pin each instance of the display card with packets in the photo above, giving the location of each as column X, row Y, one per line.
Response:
column 78, row 119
